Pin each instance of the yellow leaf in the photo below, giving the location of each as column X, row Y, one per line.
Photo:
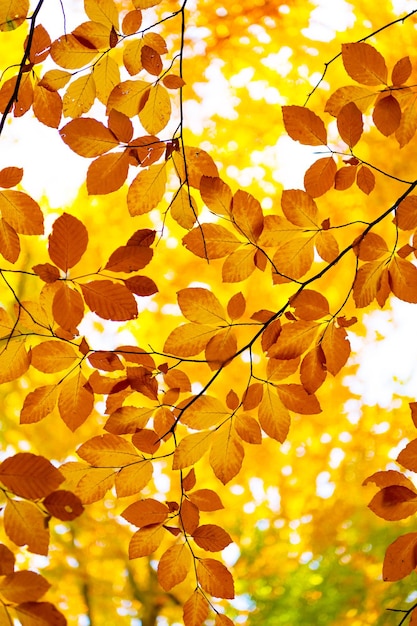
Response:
column 215, row 578
column 24, row 524
column 184, row 209
column 106, row 75
column 13, row 14
column 221, row 348
column 127, row 96
column 226, row 454
column 94, row 484
column 53, row 356
column 326, row 246
column 294, row 339
column 47, row 106
column 367, row 282
column 80, row 96
column 211, row 241
column 145, row 541
column 189, row 339
column 132, row 58
column 204, row 411
column 102, row 11
column 174, row 566
column 38, row 404
column 68, row 52
column 191, row 448
column 133, row 478
column 199, row 164
column 248, row 428
column 201, row 306
column 239, row 265
column 21, row 212
column 273, row 416
column 156, row 113
column 108, row 451
column 147, row 190
column 336, row 348
column 53, row 80
column 76, row 401
column 403, row 279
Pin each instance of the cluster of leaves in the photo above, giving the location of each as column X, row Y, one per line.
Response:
column 152, row 413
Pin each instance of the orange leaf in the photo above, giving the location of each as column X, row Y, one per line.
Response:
column 201, row 412
column 146, row 513
column 319, row 177
column 278, row 369
column 146, row 440
column 211, row 537
column 345, row 177
column 29, row 475
column 226, row 455
column 196, row 608
column 394, row 503
column 184, row 209
column 360, row 96
column 47, row 272
column 129, row 259
column 299, row 208
column 252, row 396
column 310, row 305
column 216, row 194
column 108, row 451
column 365, row 179
column 215, row 578
column 247, row 215
column 53, row 356
column 107, row 173
column 174, row 566
column 294, row 339
column 21, row 212
column 236, row 306
column 24, row 524
column 304, row 126
column 131, row 22
column 403, row 279
column 387, row 115
column 248, row 428
column 408, row 125
column 189, row 339
column 38, row 404
column 295, row 398
column 156, row 113
column 67, row 308
column 172, row 81
column 408, row 456
column 94, row 484
column 401, row 71
column 47, row 106
column 9, row 242
column 387, row 478
column 131, row 479
column 400, row 558
column 406, row 213
column 7, row 560
column 273, row 416
column 109, row 300
column 222, row 620
column 63, row 505
column 127, row 420
column 10, row 176
column 201, row 306
column 211, row 241
column 76, row 401
column 367, row 283
column 67, row 51
column 364, row 63
column 23, row 586
column 313, row 370
column 141, row 285
column 145, row 541
column 239, row 265
column 67, row 241
column 189, row 516
column 336, row 347
column 221, row 348
column 88, row 137
column 199, row 163
column 151, row 60
column 350, row 124
column 206, row 500
column 33, row 613
column 371, row 247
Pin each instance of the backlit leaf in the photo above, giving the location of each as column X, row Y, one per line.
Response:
column 295, row 398
column 364, row 63
column 67, row 242
column 199, row 164
column 310, row 305
column 350, row 124
column 29, row 475
column 394, row 503
column 273, row 416
column 406, row 213
column 53, row 356
column 211, row 537
column 211, row 241
column 68, row 52
column 201, row 306
column 189, row 339
column 319, row 177
column 67, row 308
column 304, row 125
column 102, row 11
column 88, row 137
column 191, row 448
column 365, row 179
column 147, row 190
column 215, row 578
column 184, row 209
column 10, row 176
column 129, row 259
column 403, row 279
column 156, row 113
column 14, row 361
column 106, row 76
column 226, row 454
column 367, row 282
column 24, row 524
column 131, row 479
column 38, row 404
column 146, row 512
column 196, row 608
column 247, row 215
column 63, row 505
column 145, row 541
column 336, row 347
column 9, row 242
column 13, row 14
column 22, row 212
column 23, row 586
column 299, row 208
column 387, row 115
column 108, row 451
column 221, row 348
column 400, row 557
column 76, row 400
column 248, row 428
column 109, row 300
column 294, row 339
column 401, row 71
column 206, row 500
column 239, row 265
column 47, row 106
column 174, row 566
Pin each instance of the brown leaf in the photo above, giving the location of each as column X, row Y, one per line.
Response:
column 364, row 63
column 320, row 176
column 67, row 241
column 29, row 475
column 67, row 308
column 21, row 212
column 400, row 557
column 211, row 537
column 387, row 115
column 350, row 124
column 88, row 137
column 76, row 400
column 304, row 126
column 110, row 300
column 215, row 578
column 147, row 512
column 63, row 505
column 401, row 71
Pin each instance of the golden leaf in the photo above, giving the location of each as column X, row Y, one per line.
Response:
column 364, row 63
column 76, row 401
column 145, row 541
column 215, row 578
column 21, row 212
column 273, row 416
column 24, row 524
column 80, row 96
column 191, row 448
column 38, row 404
column 29, row 475
column 53, row 356
column 147, row 190
column 196, row 608
column 174, row 566
column 109, row 300
column 226, row 454
column 304, row 126
column 211, row 537
column 400, row 558
column 88, row 137
column 156, row 113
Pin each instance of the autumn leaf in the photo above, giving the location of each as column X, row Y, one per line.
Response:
column 215, row 578
column 109, row 300
column 174, row 566
column 364, row 63
column 304, row 125
column 29, row 475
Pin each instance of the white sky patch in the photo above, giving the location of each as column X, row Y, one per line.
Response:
column 328, row 18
